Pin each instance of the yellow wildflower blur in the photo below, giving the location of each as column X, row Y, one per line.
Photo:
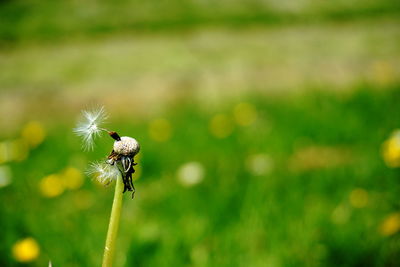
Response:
column 221, row 126
column 19, row 150
column 391, row 224
column 13, row 150
column 72, row 178
column 26, row 250
column 391, row 150
column 319, row 157
column 359, row 198
column 160, row 130
column 245, row 114
column 52, row 185
column 5, row 152
column 33, row 133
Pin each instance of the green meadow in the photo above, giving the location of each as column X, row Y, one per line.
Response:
column 267, row 132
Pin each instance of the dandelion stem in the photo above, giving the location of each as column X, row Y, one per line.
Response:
column 109, row 249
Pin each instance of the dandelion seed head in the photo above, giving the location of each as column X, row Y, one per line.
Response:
column 126, row 146
column 88, row 127
column 103, row 172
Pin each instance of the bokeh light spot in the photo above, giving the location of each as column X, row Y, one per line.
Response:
column 320, row 157
column 391, row 150
column 221, row 126
column 19, row 149
column 72, row 178
column 13, row 150
column 33, row 133
column 5, row 152
column 191, row 173
column 245, row 114
column 259, row 164
column 51, row 186
column 160, row 130
column 341, row 214
column 26, row 250
column 391, row 224
column 359, row 198
column 5, row 176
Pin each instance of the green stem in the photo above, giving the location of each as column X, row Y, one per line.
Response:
column 109, row 250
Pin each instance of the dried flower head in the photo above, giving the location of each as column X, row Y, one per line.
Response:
column 120, row 161
column 124, row 150
column 126, row 146
column 89, row 126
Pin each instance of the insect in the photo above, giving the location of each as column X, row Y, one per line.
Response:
column 124, row 150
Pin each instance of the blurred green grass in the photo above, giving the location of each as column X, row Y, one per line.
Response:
column 23, row 21
column 261, row 125
column 298, row 211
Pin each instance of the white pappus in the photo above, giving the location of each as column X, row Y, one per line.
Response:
column 103, row 172
column 120, row 162
column 88, row 127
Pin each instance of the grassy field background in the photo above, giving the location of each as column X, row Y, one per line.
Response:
column 263, row 128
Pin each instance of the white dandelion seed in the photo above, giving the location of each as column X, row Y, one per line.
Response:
column 104, row 172
column 88, row 127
